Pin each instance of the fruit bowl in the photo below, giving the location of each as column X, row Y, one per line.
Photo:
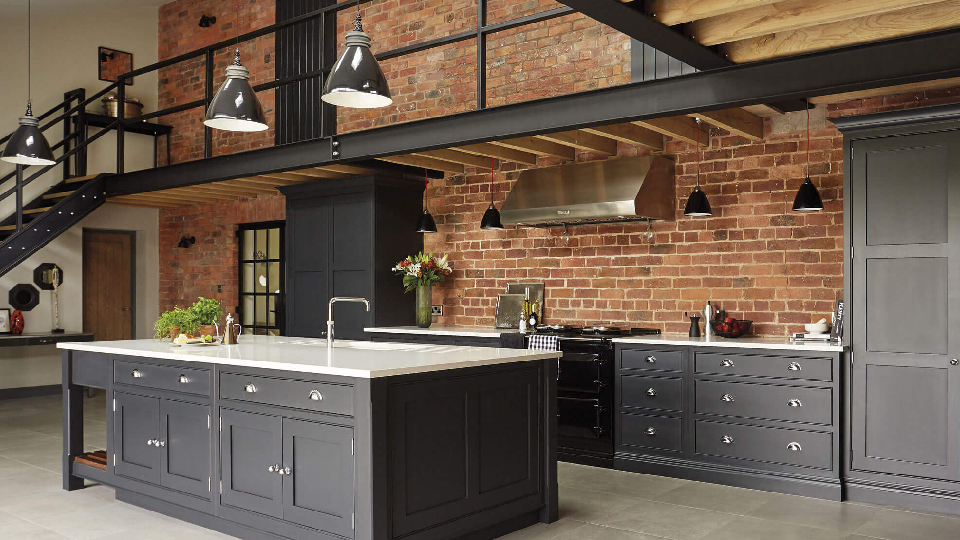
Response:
column 733, row 329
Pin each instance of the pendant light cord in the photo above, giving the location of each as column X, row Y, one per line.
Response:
column 29, row 66
column 357, row 25
column 236, row 57
column 698, row 152
column 807, row 101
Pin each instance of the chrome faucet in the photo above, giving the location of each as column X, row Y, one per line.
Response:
column 330, row 313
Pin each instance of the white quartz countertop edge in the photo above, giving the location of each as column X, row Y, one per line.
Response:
column 738, row 343
column 462, row 331
column 392, row 365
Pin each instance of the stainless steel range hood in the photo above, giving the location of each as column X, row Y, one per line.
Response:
column 593, row 192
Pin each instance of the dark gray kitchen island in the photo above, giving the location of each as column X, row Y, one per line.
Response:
column 284, row 438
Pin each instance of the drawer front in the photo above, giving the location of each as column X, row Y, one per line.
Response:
column 774, row 445
column 308, row 395
column 760, row 365
column 657, row 432
column 651, row 359
column 791, row 403
column 174, row 378
column 651, row 392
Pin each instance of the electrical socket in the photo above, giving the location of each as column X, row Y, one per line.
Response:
column 436, row 310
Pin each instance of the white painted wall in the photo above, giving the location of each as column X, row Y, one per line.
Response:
column 66, row 34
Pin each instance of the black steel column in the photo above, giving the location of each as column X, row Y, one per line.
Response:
column 328, row 57
column 19, row 198
column 67, row 100
column 121, row 103
column 481, row 54
column 208, row 96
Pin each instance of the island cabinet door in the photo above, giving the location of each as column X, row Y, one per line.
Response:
column 185, row 450
column 250, row 456
column 318, row 490
column 136, row 437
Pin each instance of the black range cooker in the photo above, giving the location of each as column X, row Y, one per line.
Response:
column 585, row 388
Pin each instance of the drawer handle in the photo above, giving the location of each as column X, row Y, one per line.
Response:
column 315, row 395
column 250, row 388
column 652, row 392
column 136, row 374
column 795, row 447
column 794, row 366
column 152, row 442
column 158, row 444
column 726, row 397
column 726, row 439
column 183, row 379
column 651, row 359
column 651, row 431
column 273, row 468
column 284, row 471
column 795, row 403
column 726, row 363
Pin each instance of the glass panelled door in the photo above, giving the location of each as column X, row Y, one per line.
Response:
column 261, row 278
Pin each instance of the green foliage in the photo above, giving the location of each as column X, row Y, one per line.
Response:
column 207, row 310
column 422, row 269
column 186, row 320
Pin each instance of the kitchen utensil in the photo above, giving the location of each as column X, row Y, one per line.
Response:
column 231, row 331
column 132, row 107
column 744, row 327
column 708, row 316
column 536, row 294
column 818, row 327
column 694, row 325
column 509, row 307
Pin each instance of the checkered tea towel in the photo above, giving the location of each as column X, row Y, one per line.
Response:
column 540, row 342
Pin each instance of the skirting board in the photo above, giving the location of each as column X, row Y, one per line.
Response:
column 900, row 496
column 30, row 391
column 729, row 476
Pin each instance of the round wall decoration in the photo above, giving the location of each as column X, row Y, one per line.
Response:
column 24, row 297
column 43, row 276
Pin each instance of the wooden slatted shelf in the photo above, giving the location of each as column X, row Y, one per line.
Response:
column 97, row 459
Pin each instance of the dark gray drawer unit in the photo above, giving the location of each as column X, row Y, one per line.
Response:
column 758, row 418
column 308, row 395
column 157, row 377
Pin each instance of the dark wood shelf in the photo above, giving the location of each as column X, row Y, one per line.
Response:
column 143, row 128
column 10, row 340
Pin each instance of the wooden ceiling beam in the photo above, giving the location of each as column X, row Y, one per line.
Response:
column 736, row 121
column 161, row 195
column 786, row 16
column 679, row 127
column 290, row 177
column 584, row 141
column 352, row 169
column 140, row 204
column 630, row 134
column 203, row 193
column 887, row 91
column 539, row 147
column 426, row 163
column 455, row 156
column 671, row 12
column 878, row 27
column 501, row 153
column 240, row 184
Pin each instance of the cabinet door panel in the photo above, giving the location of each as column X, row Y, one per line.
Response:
column 319, row 492
column 249, row 445
column 136, row 423
column 185, row 455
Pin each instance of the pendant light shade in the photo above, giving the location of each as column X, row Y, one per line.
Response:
column 697, row 203
column 235, row 106
column 491, row 219
column 426, row 224
column 27, row 145
column 356, row 80
column 808, row 198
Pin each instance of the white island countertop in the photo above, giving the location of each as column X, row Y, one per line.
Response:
column 444, row 330
column 362, row 359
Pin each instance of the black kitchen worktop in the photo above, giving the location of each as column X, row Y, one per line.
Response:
column 48, row 338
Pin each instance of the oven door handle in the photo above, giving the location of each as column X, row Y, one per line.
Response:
column 598, row 428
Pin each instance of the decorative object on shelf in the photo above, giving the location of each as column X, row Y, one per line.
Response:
column 174, row 322
column 509, row 310
column 708, row 317
column 697, row 203
column 4, row 320
column 356, row 80
column 207, row 20
column 231, row 331
column 24, row 297
column 491, row 218
column 27, row 146
column 730, row 327
column 132, row 107
column 426, row 224
column 112, row 63
column 16, row 322
column 694, row 325
column 208, row 312
column 186, row 242
column 420, row 272
column 537, row 293
column 47, row 276
column 808, row 198
column 235, row 106
column 837, row 319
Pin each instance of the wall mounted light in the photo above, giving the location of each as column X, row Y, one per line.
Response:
column 206, row 21
column 186, row 242
column 356, row 80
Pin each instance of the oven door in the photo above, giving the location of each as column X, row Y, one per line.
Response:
column 580, row 372
column 580, row 417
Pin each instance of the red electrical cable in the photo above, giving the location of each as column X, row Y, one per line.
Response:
column 808, row 135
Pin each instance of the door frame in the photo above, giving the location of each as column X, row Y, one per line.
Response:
column 133, row 270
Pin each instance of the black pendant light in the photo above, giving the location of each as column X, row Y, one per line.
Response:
column 426, row 224
column 235, row 106
column 27, row 145
column 808, row 198
column 697, row 204
column 356, row 80
column 491, row 218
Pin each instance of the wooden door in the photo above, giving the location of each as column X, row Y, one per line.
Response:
column 250, row 451
column 136, row 436
column 108, row 284
column 185, row 454
column 905, row 274
column 318, row 492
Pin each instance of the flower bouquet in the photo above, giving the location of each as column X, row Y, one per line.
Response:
column 419, row 273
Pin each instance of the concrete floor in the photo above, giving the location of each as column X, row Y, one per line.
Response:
column 595, row 504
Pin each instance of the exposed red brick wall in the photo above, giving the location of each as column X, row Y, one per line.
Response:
column 196, row 271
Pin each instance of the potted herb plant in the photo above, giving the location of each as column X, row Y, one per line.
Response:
column 208, row 312
column 174, row 322
column 419, row 273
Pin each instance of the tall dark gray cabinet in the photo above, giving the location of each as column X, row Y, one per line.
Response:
column 343, row 236
column 903, row 290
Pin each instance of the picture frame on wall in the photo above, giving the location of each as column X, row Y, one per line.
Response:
column 4, row 320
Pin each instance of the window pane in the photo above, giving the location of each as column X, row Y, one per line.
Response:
column 261, row 317
column 273, row 252
column 247, row 311
column 247, row 245
column 261, row 284
column 274, row 277
column 248, row 278
column 271, row 314
column 261, row 243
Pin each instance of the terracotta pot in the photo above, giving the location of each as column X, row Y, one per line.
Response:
column 174, row 332
column 207, row 330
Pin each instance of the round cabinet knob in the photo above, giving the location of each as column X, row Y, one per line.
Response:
column 651, row 359
column 726, row 363
column 272, row 468
column 651, row 431
column 954, row 362
column 136, row 374
column 795, row 403
column 726, row 439
column 150, row 442
column 315, row 395
column 794, row 366
column 160, row 443
column 183, row 379
column 284, row 471
column 250, row 388
column 652, row 392
column 794, row 447
column 726, row 397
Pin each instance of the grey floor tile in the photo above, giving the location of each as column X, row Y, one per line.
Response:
column 667, row 520
column 748, row 528
column 591, row 506
column 732, row 500
column 902, row 525
column 543, row 531
column 45, row 505
column 597, row 532
column 617, row 482
column 831, row 515
column 25, row 530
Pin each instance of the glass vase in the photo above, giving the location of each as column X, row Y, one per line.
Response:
column 424, row 317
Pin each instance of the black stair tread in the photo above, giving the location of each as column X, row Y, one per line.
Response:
column 58, row 195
